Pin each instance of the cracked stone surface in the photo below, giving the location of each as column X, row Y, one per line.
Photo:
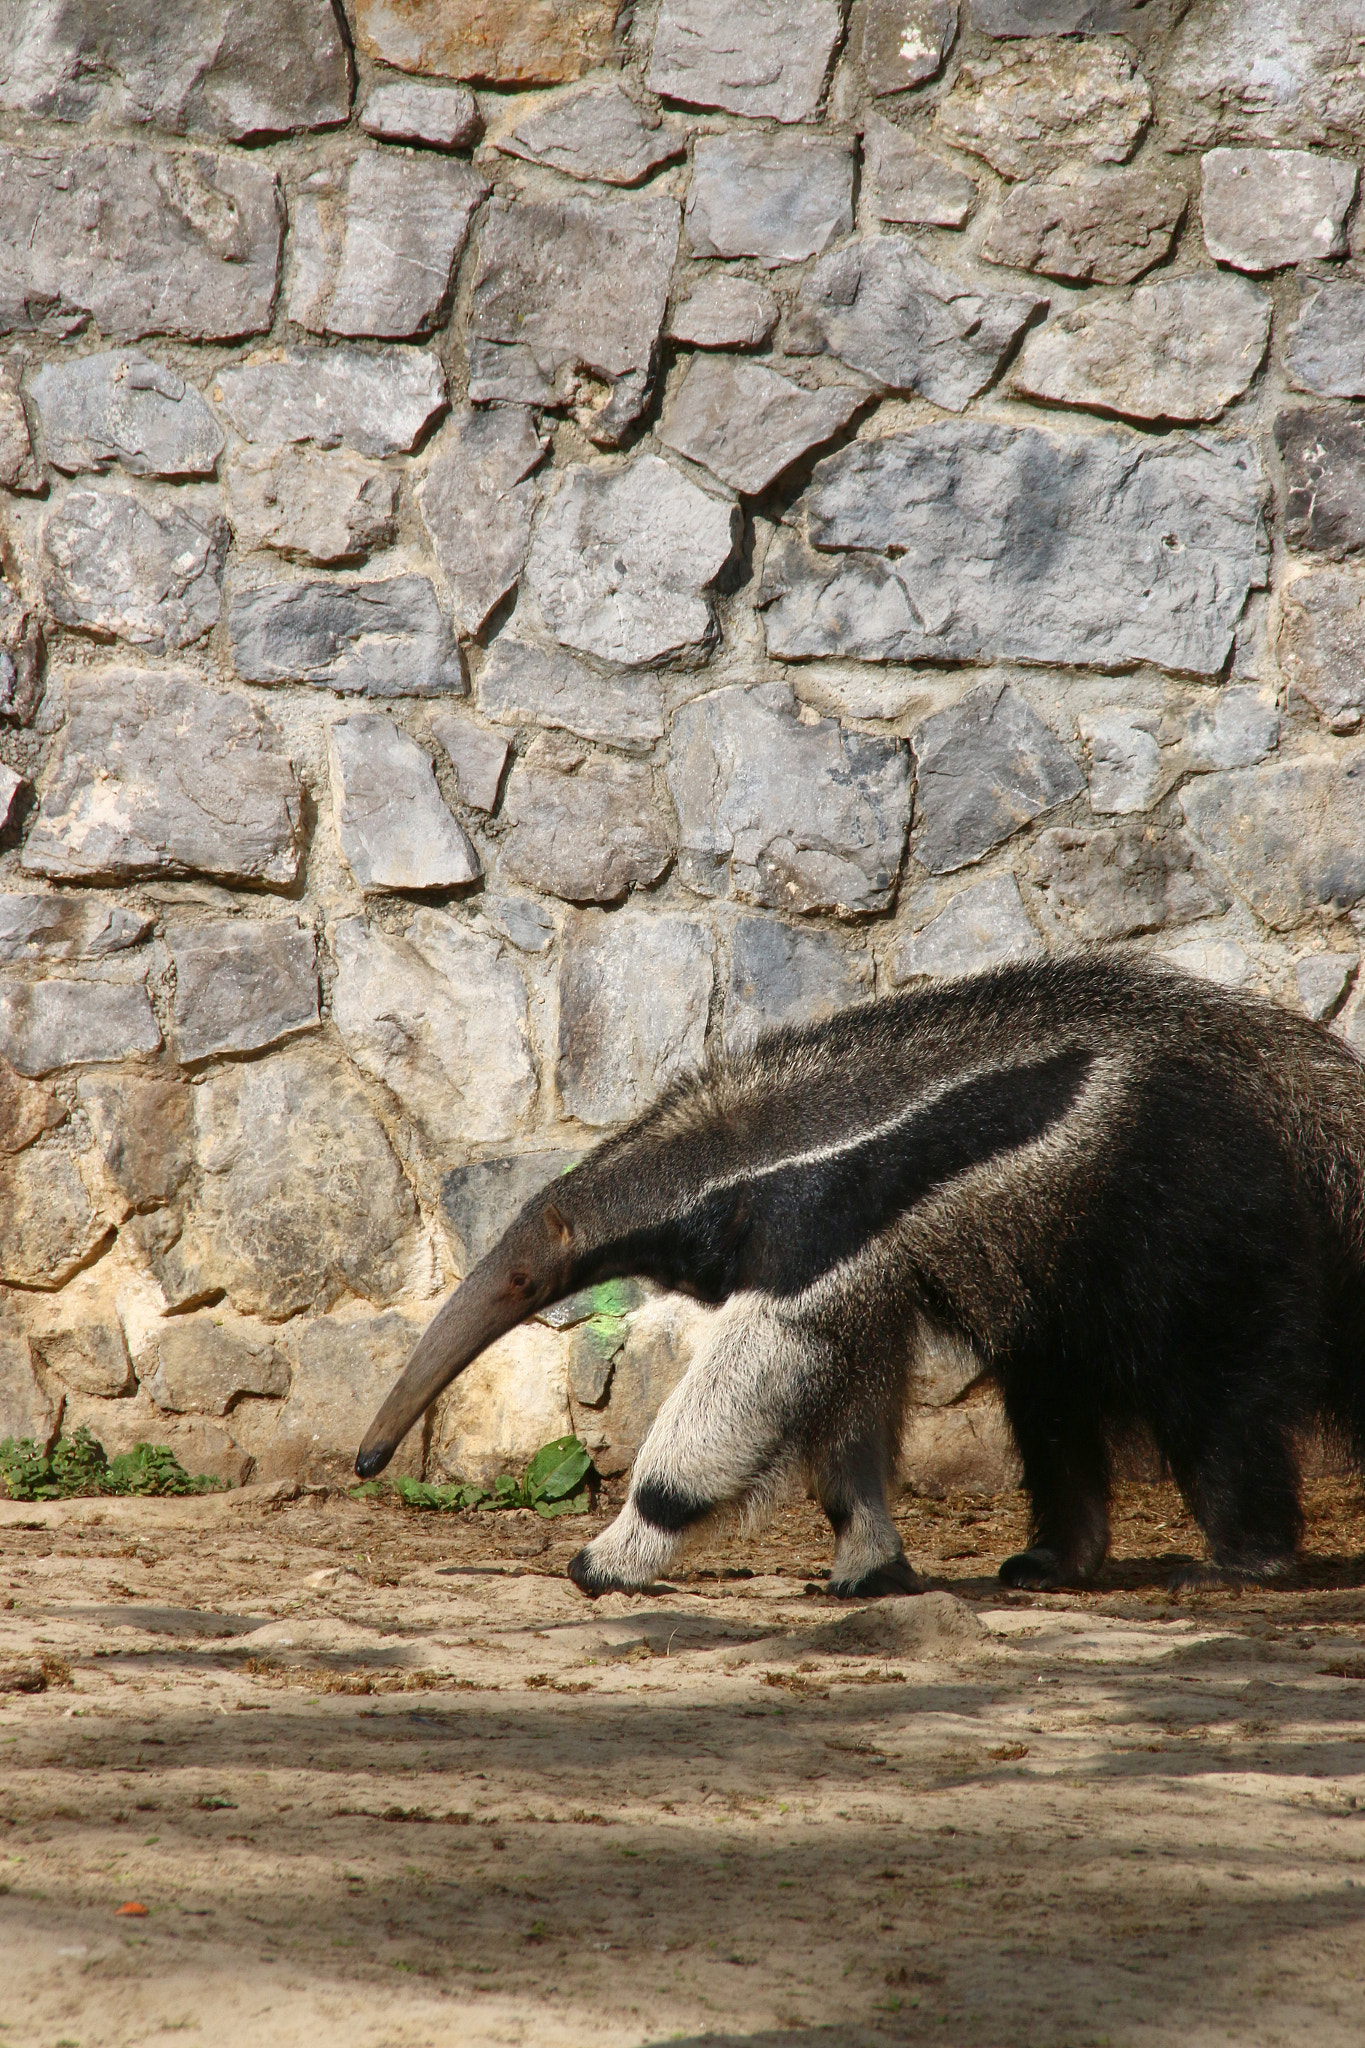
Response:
column 724, row 311
column 1323, row 454
column 56, row 1023
column 494, row 42
column 49, row 1227
column 780, row 198
column 585, row 827
column 985, row 768
column 746, row 424
column 394, row 828
column 1276, row 71
column 376, row 243
column 782, row 975
column 145, row 566
column 1321, row 645
column 477, row 502
column 634, row 994
column 18, row 469
column 1325, row 351
column 520, row 684
column 905, row 42
column 441, row 116
column 1035, row 103
column 385, row 637
column 54, row 927
column 143, row 1126
column 377, row 401
column 745, row 56
column 206, row 1363
column 984, row 926
column 121, row 407
column 599, row 132
column 1266, row 208
column 312, row 506
column 477, row 757
column 1087, row 225
column 1116, row 882
column 241, row 984
column 1289, row 835
column 911, row 184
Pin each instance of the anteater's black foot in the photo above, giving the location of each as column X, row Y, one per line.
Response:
column 1039, row 1570
column 897, row 1575
column 1207, row 1577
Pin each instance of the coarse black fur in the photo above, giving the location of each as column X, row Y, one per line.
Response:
column 1139, row 1198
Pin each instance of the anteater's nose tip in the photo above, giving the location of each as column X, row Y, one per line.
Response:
column 368, row 1463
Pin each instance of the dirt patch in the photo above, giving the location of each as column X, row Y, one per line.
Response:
column 388, row 1774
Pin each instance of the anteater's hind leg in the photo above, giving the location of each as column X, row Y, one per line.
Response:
column 1240, row 1478
column 1061, row 1442
column 851, row 1483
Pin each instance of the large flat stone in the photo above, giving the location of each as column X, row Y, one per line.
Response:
column 394, row 829
column 19, row 470
column 156, row 775
column 779, row 197
column 634, row 994
column 523, row 685
column 477, row 757
column 139, row 241
column 197, row 68
column 121, row 407
column 478, row 1201
column 795, row 815
column 1325, row 352
column 599, row 132
column 1323, row 454
column 1321, row 645
column 49, row 1228
column 1265, row 208
column 746, row 424
column 311, row 506
column 377, row 401
column 477, row 501
column 623, row 561
column 241, row 984
column 1116, row 882
column 910, row 184
column 985, row 768
column 206, row 1363
column 26, row 1111
column 498, row 1414
column 1036, row 102
column 878, row 306
column 724, row 311
column 1023, row 544
column 779, row 975
column 376, row 242
column 1289, row 836
column 46, row 1025
column 441, row 116
column 568, row 302
column 91, row 1358
column 904, row 42
column 438, row 1014
column 494, row 42
column 1086, row 225
column 746, row 56
column 985, row 926
column 1268, row 71
column 300, row 1202
column 25, row 1409
column 148, row 568
column 144, row 1128
column 582, row 826
column 343, row 1369
column 387, row 637
column 1179, row 350
column 1125, row 771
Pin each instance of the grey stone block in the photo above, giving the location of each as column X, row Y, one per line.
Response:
column 1116, row 882
column 581, row 826
column 1032, row 104
column 598, row 132
column 376, row 242
column 1234, row 728
column 568, row 303
column 394, row 830
column 441, row 116
column 1086, row 225
column 1321, row 645
column 1289, row 835
column 1124, row 766
column 522, row 685
column 1322, row 980
column 1015, row 543
column 798, row 816
column 195, row 68
column 623, row 561
column 480, row 1200
column 1267, row 71
column 1265, row 208
column 241, row 985
column 780, row 198
column 904, row 42
column 26, row 1111
column 144, row 1129
column 1179, row 350
column 438, row 1014
column 46, row 1025
column 313, row 507
column 18, row 469
column 477, row 501
column 156, row 775
column 985, row 926
column 299, row 1201
column 724, row 311
column 382, row 638
column 495, row 42
column 1324, row 472
column 148, row 568
column 10, row 786
column 91, row 1359
column 746, row 56
column 985, row 768
column 343, row 1368
column 520, row 920
column 477, row 757
column 878, row 306
column 120, row 407
column 377, row 401
column 746, row 424
column 49, row 1227
column 25, row 1409
column 911, row 184
column 206, row 1363
column 779, row 975
column 139, row 241
column 1325, row 352
column 634, row 994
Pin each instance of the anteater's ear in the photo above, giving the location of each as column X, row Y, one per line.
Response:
column 557, row 1226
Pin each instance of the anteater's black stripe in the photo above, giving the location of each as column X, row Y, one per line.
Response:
column 662, row 1504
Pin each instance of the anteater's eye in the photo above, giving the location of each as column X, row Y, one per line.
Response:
column 519, row 1281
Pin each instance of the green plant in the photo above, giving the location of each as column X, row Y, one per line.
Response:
column 78, row 1465
column 556, row 1482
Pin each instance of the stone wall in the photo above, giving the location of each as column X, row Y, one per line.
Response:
column 538, row 538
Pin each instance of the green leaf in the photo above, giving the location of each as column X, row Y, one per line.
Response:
column 506, row 1492
column 579, row 1504
column 557, row 1470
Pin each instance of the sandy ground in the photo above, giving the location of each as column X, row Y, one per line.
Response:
column 381, row 1777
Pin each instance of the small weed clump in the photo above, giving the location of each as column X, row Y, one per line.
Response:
column 78, row 1465
column 556, row 1482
